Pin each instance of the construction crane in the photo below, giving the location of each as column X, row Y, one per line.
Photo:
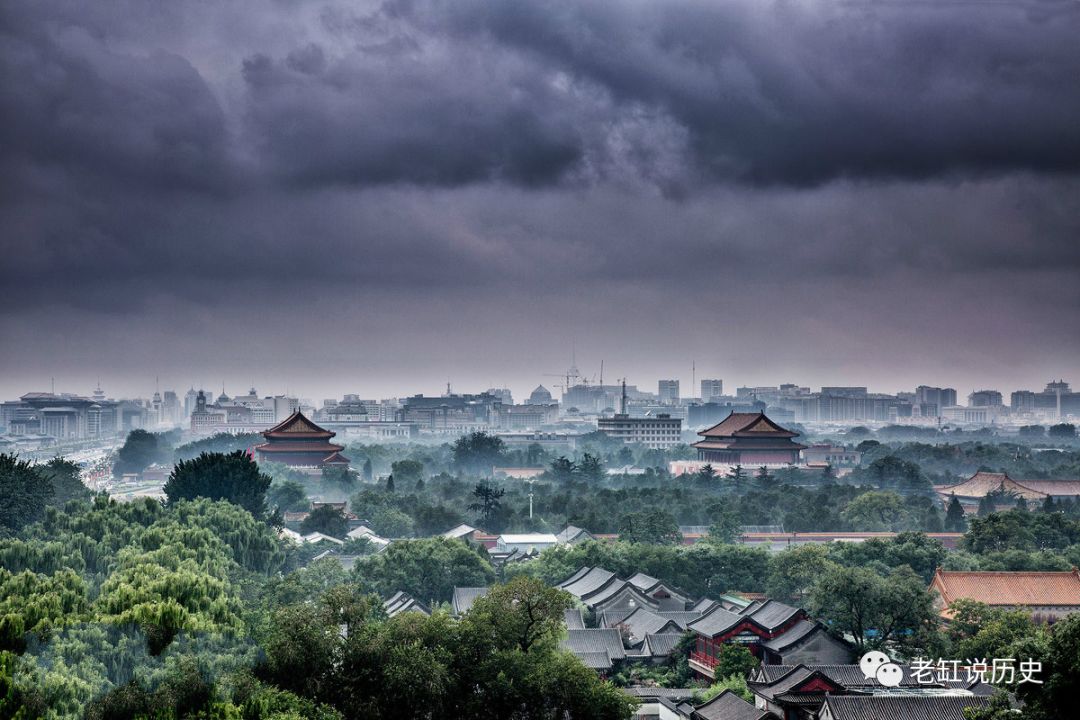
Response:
column 570, row 377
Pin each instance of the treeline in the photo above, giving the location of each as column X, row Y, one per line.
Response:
column 432, row 505
column 142, row 448
column 952, row 462
column 894, row 497
column 28, row 490
column 890, row 492
column 194, row 608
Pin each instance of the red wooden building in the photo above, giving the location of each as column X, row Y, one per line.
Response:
column 748, row 439
column 754, row 625
column 298, row 442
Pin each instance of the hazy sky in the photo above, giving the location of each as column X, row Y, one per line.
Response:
column 369, row 197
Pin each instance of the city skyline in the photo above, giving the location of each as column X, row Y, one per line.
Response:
column 519, row 391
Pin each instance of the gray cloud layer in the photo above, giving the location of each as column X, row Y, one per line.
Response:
column 393, row 165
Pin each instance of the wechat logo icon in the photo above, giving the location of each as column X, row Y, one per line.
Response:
column 876, row 665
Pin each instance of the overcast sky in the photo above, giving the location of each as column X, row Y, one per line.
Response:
column 331, row 197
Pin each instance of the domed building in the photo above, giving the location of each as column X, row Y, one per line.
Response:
column 540, row 396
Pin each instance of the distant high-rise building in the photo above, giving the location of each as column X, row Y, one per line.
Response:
column 669, row 392
column 985, row 398
column 189, row 401
column 1022, row 401
column 1058, row 400
column 449, row 413
column 764, row 393
column 502, row 394
column 711, row 389
column 170, row 407
column 656, row 432
column 931, row 400
column 844, row 391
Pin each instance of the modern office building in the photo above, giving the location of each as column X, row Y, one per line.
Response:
column 669, row 392
column 658, row 432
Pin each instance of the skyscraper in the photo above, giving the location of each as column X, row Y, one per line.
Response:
column 711, row 389
column 669, row 392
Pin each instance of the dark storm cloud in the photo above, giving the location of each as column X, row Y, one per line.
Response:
column 502, row 177
column 792, row 92
column 374, row 118
column 69, row 102
column 451, row 93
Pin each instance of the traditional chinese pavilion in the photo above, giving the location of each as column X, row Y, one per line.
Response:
column 298, row 442
column 748, row 439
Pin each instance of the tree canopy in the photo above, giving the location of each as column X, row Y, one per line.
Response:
column 25, row 490
column 140, row 450
column 234, row 477
column 477, row 453
column 427, row 569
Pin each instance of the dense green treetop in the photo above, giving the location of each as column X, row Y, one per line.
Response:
column 234, row 477
column 427, row 569
column 25, row 490
column 66, row 480
column 656, row 527
column 142, row 449
column 477, row 453
column 328, row 520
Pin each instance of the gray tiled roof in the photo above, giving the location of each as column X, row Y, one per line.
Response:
column 620, row 587
column 604, row 593
column 595, row 640
column 575, row 577
column 464, row 597
column 572, row 532
column 598, row 660
column 771, row 614
column 728, row 706
column 704, row 605
column 851, row 676
column 573, row 619
column 752, row 607
column 642, row 581
column 715, row 622
column 662, row 644
column 642, row 622
column 659, row 692
column 611, row 618
column 795, row 676
column 681, row 617
column 900, row 707
column 401, row 602
column 589, row 582
column 800, row 631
